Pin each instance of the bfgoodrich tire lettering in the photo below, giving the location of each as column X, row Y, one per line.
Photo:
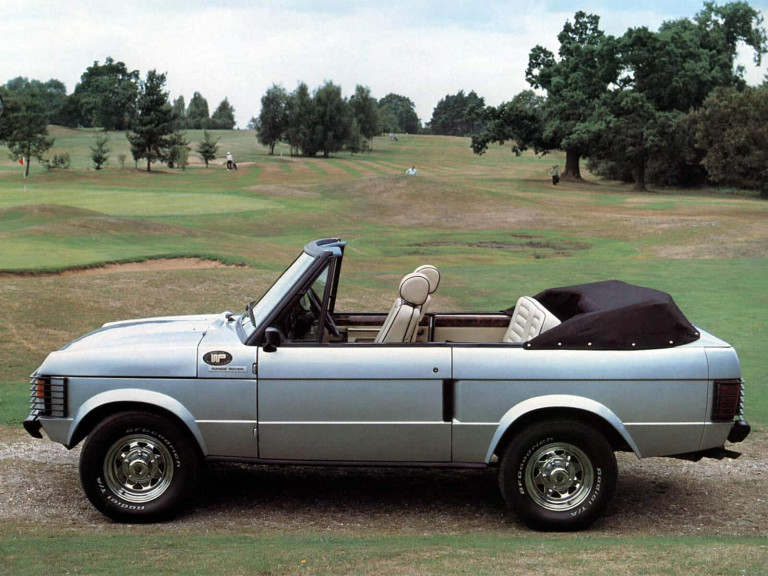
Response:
column 138, row 467
column 558, row 475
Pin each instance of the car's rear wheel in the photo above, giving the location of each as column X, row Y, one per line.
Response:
column 138, row 467
column 558, row 475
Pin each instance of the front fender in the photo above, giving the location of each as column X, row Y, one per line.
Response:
column 136, row 396
column 564, row 401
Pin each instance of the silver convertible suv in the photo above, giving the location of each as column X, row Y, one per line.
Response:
column 546, row 391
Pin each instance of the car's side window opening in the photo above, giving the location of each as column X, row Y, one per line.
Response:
column 302, row 320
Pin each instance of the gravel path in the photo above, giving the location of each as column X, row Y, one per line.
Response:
column 39, row 484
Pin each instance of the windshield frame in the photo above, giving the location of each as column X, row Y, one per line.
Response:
column 260, row 310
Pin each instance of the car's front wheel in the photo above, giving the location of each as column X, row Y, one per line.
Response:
column 558, row 475
column 138, row 467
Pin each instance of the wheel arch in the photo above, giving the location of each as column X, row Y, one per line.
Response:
column 560, row 407
column 104, row 405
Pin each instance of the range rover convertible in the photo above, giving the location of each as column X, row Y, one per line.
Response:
column 546, row 391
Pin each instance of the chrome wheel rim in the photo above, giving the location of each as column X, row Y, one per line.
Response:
column 138, row 468
column 559, row 476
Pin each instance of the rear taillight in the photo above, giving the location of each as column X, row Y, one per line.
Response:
column 728, row 402
column 48, row 397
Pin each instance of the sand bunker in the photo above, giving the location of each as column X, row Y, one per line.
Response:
column 155, row 265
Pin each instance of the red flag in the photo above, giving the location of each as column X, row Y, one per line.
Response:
column 21, row 160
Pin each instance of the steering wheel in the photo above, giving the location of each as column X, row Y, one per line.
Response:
column 330, row 324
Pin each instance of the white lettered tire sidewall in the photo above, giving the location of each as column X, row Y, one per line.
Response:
column 558, row 475
column 138, row 467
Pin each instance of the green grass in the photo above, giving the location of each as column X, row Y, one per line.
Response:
column 130, row 553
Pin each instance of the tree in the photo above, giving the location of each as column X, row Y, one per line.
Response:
column 457, row 115
column 300, row 112
column 106, row 95
column 150, row 138
column 52, row 94
column 223, row 118
column 732, row 127
column 575, row 84
column 332, row 121
column 177, row 154
column 24, row 126
column 722, row 29
column 179, row 108
column 520, row 120
column 273, row 117
column 398, row 114
column 208, row 148
column 635, row 131
column 100, row 151
column 365, row 115
column 198, row 116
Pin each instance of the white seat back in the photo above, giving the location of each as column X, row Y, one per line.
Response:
column 404, row 315
column 433, row 277
column 529, row 319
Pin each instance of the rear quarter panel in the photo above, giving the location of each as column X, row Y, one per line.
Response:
column 660, row 397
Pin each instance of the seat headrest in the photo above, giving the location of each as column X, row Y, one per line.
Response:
column 414, row 288
column 432, row 274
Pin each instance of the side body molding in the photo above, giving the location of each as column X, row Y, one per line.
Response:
column 137, row 396
column 558, row 401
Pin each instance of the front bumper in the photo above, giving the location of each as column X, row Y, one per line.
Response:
column 33, row 426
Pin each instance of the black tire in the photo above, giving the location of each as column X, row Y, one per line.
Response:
column 558, row 475
column 138, row 467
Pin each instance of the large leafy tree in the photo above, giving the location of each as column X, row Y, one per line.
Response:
column 52, row 94
column 151, row 138
column 520, row 121
column 574, row 82
column 365, row 114
column 732, row 127
column 223, row 118
column 332, row 121
column 457, row 115
column 398, row 114
column 634, row 132
column 24, row 125
column 300, row 113
column 198, row 115
column 106, row 95
column 272, row 123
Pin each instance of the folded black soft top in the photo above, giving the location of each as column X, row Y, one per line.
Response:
column 613, row 315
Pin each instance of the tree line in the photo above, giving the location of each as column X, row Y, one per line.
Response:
column 111, row 97
column 667, row 107
column 107, row 97
column 323, row 121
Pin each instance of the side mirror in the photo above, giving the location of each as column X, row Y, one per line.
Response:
column 272, row 340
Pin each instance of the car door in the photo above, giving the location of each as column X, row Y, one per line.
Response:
column 354, row 402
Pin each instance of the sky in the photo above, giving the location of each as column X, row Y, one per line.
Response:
column 237, row 49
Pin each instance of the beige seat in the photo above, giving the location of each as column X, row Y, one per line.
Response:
column 404, row 315
column 433, row 277
column 529, row 319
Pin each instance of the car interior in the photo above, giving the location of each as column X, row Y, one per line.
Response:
column 410, row 319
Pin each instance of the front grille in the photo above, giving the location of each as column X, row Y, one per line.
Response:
column 48, row 397
column 729, row 400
